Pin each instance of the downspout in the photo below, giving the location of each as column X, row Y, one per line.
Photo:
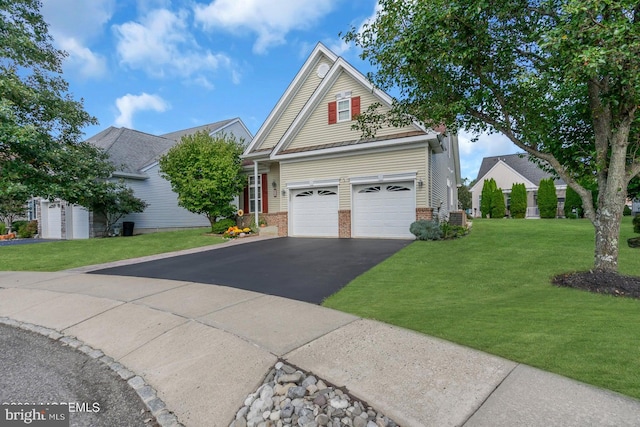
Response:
column 255, row 192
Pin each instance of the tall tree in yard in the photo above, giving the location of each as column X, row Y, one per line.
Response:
column 559, row 78
column 498, row 208
column 518, row 207
column 205, row 172
column 547, row 199
column 40, row 123
column 486, row 203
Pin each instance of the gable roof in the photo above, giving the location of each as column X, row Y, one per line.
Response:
column 130, row 150
column 521, row 163
column 336, row 67
column 211, row 127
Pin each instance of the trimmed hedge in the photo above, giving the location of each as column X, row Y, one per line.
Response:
column 547, row 199
column 518, row 207
column 426, row 230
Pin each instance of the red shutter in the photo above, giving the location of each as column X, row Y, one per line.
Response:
column 245, row 199
column 355, row 107
column 333, row 112
column 265, row 194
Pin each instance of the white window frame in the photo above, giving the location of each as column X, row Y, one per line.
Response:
column 252, row 189
column 343, row 110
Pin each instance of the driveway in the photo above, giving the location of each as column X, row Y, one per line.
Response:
column 304, row 269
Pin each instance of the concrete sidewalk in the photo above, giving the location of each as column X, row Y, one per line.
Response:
column 204, row 348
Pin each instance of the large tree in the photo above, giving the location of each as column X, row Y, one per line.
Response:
column 40, row 123
column 206, row 173
column 559, row 78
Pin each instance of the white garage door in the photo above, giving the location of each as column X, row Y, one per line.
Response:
column 54, row 222
column 384, row 210
column 314, row 212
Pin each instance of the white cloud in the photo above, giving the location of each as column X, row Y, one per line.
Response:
column 74, row 35
column 472, row 153
column 130, row 104
column 162, row 45
column 88, row 63
column 339, row 46
column 270, row 20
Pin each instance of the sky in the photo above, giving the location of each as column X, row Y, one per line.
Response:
column 159, row 66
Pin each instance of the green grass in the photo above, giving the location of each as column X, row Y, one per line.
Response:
column 55, row 256
column 491, row 291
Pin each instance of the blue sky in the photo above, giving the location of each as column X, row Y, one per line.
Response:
column 159, row 66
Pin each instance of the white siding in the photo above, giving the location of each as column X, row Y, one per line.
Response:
column 360, row 164
column 163, row 210
column 443, row 183
column 239, row 132
column 317, row 131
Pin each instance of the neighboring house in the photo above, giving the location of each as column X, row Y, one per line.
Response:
column 311, row 174
column 136, row 158
column 515, row 169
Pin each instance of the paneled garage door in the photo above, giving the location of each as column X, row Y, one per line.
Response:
column 384, row 209
column 314, row 212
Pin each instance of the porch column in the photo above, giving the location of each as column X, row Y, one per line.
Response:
column 255, row 192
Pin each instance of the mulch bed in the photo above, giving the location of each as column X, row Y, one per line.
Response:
column 601, row 282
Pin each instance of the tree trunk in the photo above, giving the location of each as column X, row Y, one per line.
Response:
column 607, row 227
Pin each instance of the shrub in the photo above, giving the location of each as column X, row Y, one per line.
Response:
column 3, row 228
column 547, row 199
column 626, row 211
column 518, row 207
column 223, row 225
column 498, row 208
column 450, row 231
column 636, row 223
column 572, row 201
column 28, row 230
column 426, row 230
column 486, row 197
column 15, row 225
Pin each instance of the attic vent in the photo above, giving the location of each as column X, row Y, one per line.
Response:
column 322, row 70
column 343, row 94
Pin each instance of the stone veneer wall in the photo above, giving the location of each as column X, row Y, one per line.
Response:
column 424, row 213
column 279, row 219
column 344, row 223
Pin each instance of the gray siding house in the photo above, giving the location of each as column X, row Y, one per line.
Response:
column 136, row 157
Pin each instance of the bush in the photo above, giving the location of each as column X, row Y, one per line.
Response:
column 518, row 208
column 572, row 201
column 3, row 228
column 498, row 208
column 486, row 197
column 626, row 211
column 452, row 231
column 15, row 225
column 547, row 199
column 636, row 223
column 426, row 230
column 28, row 230
column 223, row 225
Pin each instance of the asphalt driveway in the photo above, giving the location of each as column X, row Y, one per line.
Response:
column 304, row 269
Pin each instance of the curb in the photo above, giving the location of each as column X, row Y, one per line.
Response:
column 149, row 396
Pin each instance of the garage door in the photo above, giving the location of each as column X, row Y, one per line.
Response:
column 384, row 210
column 314, row 212
column 54, row 222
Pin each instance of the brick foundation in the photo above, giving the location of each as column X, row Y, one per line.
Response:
column 424, row 213
column 279, row 219
column 344, row 224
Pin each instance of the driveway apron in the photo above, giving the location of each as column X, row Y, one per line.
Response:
column 305, row 269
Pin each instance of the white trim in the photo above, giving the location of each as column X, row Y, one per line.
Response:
column 394, row 144
column 126, row 175
column 292, row 89
column 384, row 177
column 313, row 184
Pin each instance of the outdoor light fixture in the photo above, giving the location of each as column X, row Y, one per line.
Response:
column 284, row 192
column 420, row 183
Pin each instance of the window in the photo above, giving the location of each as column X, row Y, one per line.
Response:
column 344, row 110
column 397, row 188
column 374, row 189
column 252, row 194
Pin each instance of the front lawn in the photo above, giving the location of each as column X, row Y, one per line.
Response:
column 491, row 291
column 62, row 255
